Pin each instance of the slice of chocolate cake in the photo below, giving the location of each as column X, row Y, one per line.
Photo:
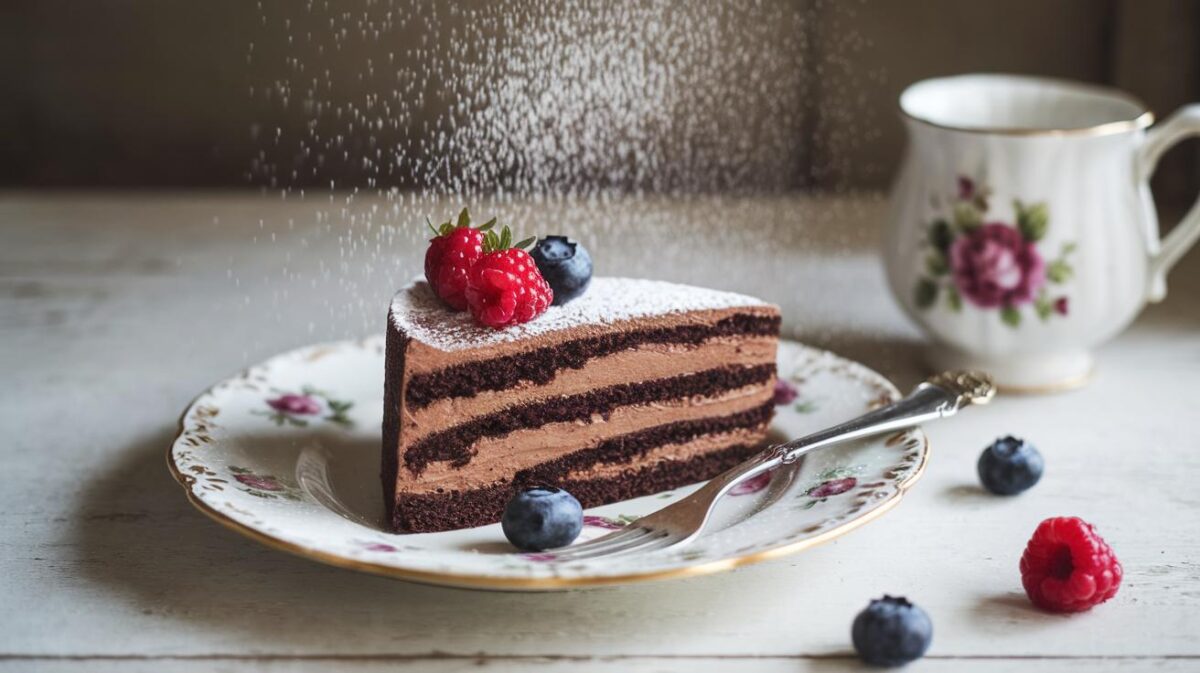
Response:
column 636, row 387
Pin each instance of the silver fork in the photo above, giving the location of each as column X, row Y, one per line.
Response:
column 682, row 522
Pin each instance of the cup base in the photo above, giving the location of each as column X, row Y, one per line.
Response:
column 1021, row 374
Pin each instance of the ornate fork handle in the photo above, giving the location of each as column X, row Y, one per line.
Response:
column 938, row 397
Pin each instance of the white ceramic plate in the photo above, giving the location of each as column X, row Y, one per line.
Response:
column 287, row 453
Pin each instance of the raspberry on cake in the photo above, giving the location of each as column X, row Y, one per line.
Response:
column 505, row 288
column 475, row 268
column 635, row 387
column 453, row 250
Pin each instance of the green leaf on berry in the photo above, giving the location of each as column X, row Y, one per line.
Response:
column 429, row 223
column 464, row 218
column 495, row 241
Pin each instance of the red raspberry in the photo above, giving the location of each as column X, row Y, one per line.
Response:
column 1067, row 567
column 449, row 259
column 506, row 288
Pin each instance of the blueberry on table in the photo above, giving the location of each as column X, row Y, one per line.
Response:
column 891, row 632
column 1010, row 466
column 541, row 518
column 564, row 264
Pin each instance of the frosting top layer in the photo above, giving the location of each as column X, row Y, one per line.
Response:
column 422, row 316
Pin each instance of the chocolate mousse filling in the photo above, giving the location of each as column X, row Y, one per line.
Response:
column 540, row 366
column 454, row 444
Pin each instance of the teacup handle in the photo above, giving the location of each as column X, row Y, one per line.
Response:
column 1184, row 124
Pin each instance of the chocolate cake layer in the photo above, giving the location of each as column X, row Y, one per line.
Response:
column 429, row 512
column 453, row 444
column 542, row 365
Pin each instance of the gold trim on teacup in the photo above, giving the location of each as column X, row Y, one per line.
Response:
column 1060, row 386
column 471, row 581
column 1143, row 120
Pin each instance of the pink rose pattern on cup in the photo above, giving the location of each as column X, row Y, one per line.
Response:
column 993, row 266
column 989, row 264
column 296, row 409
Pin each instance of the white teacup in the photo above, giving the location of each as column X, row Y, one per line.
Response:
column 1022, row 232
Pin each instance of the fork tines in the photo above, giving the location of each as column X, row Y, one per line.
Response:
column 630, row 539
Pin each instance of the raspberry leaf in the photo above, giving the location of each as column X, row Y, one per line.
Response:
column 495, row 241
column 440, row 230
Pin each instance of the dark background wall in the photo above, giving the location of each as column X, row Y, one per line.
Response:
column 158, row 93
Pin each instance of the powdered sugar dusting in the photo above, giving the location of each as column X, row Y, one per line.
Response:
column 418, row 311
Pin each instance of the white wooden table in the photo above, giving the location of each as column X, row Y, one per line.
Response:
column 116, row 310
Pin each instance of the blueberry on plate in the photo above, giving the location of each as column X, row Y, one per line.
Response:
column 891, row 632
column 564, row 264
column 542, row 517
column 1009, row 466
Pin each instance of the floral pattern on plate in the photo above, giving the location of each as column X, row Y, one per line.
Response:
column 248, row 474
column 990, row 264
column 609, row 522
column 264, row 485
column 297, row 409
